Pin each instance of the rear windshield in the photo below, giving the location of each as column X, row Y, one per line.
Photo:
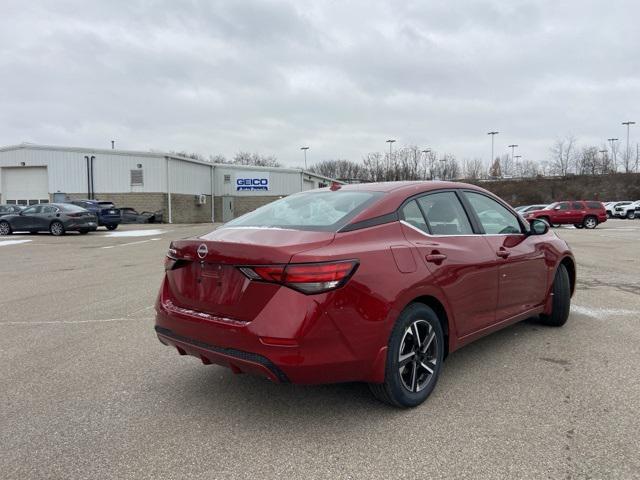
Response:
column 324, row 211
column 67, row 207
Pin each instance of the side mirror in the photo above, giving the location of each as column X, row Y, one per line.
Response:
column 538, row 226
column 557, row 207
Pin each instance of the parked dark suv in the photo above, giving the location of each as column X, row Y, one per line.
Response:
column 107, row 213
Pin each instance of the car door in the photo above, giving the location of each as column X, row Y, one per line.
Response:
column 46, row 216
column 578, row 212
column 459, row 260
column 27, row 220
column 561, row 213
column 519, row 257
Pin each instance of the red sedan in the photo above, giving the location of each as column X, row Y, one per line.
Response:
column 375, row 283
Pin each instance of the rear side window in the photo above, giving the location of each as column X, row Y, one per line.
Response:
column 412, row 215
column 594, row 205
column 445, row 214
column 322, row 211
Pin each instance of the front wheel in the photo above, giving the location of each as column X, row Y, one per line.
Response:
column 111, row 227
column 631, row 215
column 590, row 222
column 561, row 303
column 414, row 358
column 56, row 229
column 5, row 228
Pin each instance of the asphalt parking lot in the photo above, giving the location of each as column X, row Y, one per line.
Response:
column 87, row 391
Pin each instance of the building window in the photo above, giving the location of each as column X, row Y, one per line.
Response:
column 227, row 178
column 136, row 177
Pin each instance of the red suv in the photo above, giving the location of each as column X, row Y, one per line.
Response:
column 374, row 283
column 580, row 214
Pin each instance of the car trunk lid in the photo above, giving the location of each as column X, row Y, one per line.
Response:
column 206, row 278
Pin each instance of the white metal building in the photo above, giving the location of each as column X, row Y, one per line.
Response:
column 186, row 190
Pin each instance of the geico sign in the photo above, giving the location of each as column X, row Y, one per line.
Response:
column 252, row 184
column 252, row 181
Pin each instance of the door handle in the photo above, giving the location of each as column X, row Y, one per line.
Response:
column 435, row 257
column 502, row 253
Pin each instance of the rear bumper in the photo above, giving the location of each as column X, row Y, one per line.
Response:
column 295, row 338
column 237, row 360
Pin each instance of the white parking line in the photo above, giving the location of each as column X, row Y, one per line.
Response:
column 137, row 233
column 5, row 243
column 132, row 243
column 596, row 312
column 73, row 322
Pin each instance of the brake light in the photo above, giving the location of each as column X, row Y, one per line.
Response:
column 305, row 277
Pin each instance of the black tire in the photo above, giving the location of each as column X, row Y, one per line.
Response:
column 5, row 228
column 609, row 215
column 56, row 228
column 578, row 225
column 631, row 215
column 83, row 232
column 111, row 227
column 561, row 300
column 410, row 384
column 590, row 222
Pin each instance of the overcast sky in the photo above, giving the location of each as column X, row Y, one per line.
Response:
column 217, row 77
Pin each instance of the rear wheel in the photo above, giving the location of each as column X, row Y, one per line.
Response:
column 609, row 215
column 414, row 358
column 631, row 215
column 561, row 299
column 590, row 222
column 578, row 225
column 111, row 227
column 5, row 228
column 84, row 232
column 56, row 228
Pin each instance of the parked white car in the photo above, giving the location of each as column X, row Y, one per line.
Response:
column 610, row 207
column 628, row 210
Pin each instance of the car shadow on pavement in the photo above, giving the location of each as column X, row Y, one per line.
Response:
column 248, row 399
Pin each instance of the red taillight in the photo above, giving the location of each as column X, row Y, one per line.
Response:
column 305, row 277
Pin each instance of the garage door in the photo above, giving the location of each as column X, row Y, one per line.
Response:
column 25, row 186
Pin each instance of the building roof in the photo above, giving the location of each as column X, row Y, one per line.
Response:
column 158, row 154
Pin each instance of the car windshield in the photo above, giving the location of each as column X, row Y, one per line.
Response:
column 325, row 211
column 551, row 206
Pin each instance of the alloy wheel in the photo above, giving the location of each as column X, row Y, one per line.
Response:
column 418, row 356
column 590, row 223
column 5, row 229
column 57, row 228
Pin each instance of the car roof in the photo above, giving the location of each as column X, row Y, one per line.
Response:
column 395, row 193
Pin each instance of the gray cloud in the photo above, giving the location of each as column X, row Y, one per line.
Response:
column 342, row 77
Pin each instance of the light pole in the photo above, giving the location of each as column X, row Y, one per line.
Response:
column 628, row 153
column 613, row 153
column 493, row 134
column 426, row 152
column 390, row 142
column 513, row 149
column 517, row 165
column 304, row 149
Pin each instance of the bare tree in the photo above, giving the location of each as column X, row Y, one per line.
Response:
column 495, row 171
column 473, row 169
column 562, row 155
column 255, row 159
